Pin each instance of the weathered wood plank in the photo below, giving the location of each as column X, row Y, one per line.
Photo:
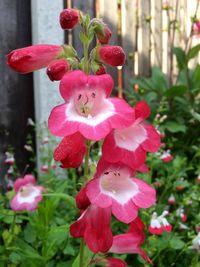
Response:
column 129, row 34
column 109, row 13
column 16, row 93
column 144, row 37
column 156, row 33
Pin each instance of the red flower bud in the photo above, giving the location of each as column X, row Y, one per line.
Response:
column 111, row 55
column 69, row 18
column 82, row 201
column 104, row 37
column 57, row 69
column 35, row 57
column 101, row 70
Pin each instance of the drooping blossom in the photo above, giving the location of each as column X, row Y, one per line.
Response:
column 131, row 241
column 44, row 168
column 10, row 160
column 159, row 224
column 57, row 68
column 94, row 226
column 181, row 213
column 111, row 55
column 166, row 156
column 71, row 151
column 196, row 243
column 110, row 262
column 69, row 18
column 35, row 57
column 88, row 108
column 130, row 145
column 113, row 186
column 102, row 31
column 28, row 194
column 171, row 200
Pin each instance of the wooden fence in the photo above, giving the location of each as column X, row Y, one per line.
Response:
column 146, row 30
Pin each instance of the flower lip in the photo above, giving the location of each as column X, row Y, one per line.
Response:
column 118, row 185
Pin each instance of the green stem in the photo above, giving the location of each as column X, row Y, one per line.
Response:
column 13, row 224
column 81, row 258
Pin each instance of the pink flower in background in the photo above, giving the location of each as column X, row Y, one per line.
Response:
column 31, row 58
column 130, row 145
column 57, row 68
column 94, row 226
column 111, row 55
column 166, row 156
column 171, row 200
column 88, row 108
column 131, row 241
column 69, row 18
column 28, row 195
column 113, row 186
column 10, row 160
column 196, row 29
column 159, row 224
column 44, row 168
column 71, row 151
column 110, row 262
column 198, row 179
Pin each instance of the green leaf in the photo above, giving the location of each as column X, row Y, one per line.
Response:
column 174, row 127
column 87, row 257
column 159, row 79
column 176, row 243
column 83, row 38
column 195, row 115
column 176, row 90
column 180, row 57
column 193, row 52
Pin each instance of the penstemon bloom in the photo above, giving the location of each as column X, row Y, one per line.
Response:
column 35, row 57
column 94, row 226
column 28, row 195
column 113, row 186
column 159, row 224
column 88, row 108
column 130, row 145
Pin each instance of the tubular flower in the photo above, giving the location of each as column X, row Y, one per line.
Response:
column 130, row 145
column 131, row 241
column 69, row 18
column 88, row 108
column 94, row 226
column 159, row 224
column 28, row 195
column 171, row 200
column 110, row 262
column 57, row 69
column 31, row 58
column 113, row 186
column 71, row 151
column 111, row 55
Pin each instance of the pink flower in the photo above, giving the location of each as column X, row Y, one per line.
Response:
column 113, row 186
column 102, row 31
column 159, row 224
column 131, row 241
column 57, row 69
column 28, row 195
column 130, row 145
column 110, row 262
column 94, row 226
column 111, row 55
column 171, row 200
column 44, row 168
column 88, row 108
column 71, row 151
column 35, row 57
column 69, row 18
column 10, row 160
column 196, row 28
column 166, row 156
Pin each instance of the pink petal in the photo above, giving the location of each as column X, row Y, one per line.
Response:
column 152, row 143
column 124, row 213
column 28, row 179
column 142, row 110
column 58, row 124
column 147, row 195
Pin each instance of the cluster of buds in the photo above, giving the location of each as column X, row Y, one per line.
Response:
column 89, row 114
